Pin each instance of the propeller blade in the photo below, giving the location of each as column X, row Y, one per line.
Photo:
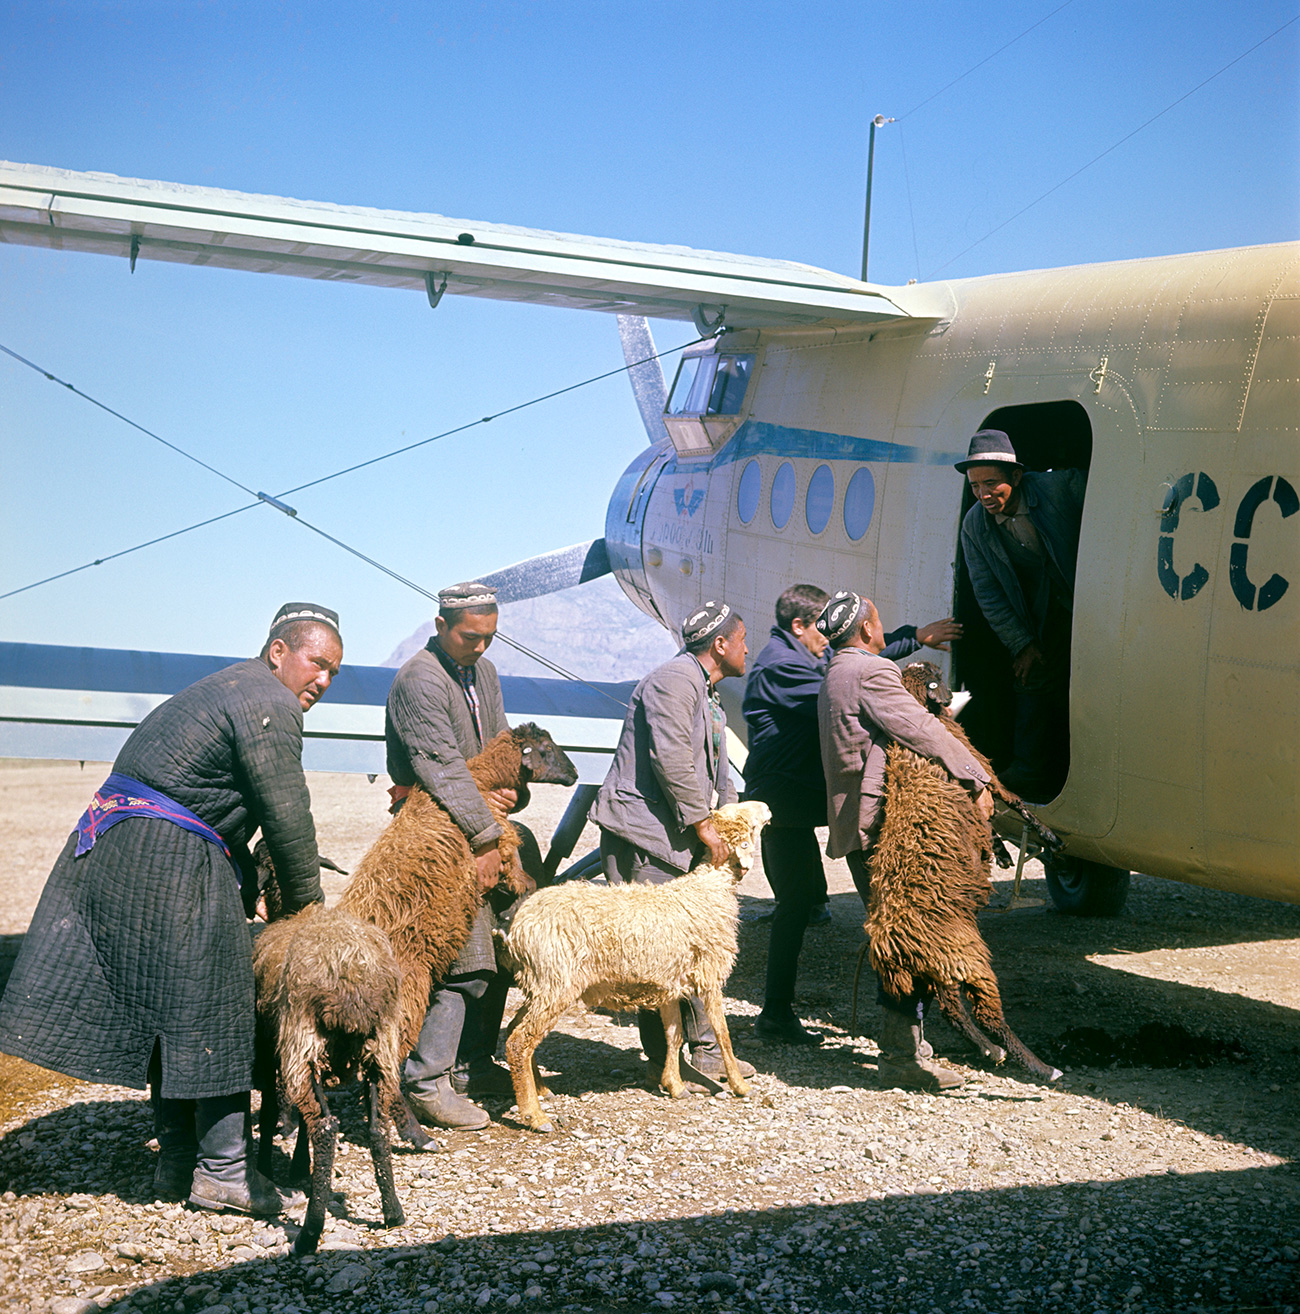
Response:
column 648, row 386
column 550, row 572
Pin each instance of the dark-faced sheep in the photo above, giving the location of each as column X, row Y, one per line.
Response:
column 929, row 878
column 630, row 946
column 328, row 988
column 419, row 883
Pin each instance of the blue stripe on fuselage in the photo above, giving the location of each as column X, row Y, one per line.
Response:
column 758, row 438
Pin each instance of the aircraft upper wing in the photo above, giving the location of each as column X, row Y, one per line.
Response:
column 130, row 217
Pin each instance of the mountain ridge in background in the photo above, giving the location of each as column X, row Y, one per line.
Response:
column 591, row 630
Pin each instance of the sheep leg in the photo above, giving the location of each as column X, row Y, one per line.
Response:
column 988, row 1012
column 532, row 1024
column 323, row 1132
column 381, row 1156
column 266, row 1124
column 671, row 1080
column 539, row 1084
column 408, row 1126
column 300, row 1165
column 712, row 1001
column 953, row 1005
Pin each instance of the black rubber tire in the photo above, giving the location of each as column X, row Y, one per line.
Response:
column 1086, row 889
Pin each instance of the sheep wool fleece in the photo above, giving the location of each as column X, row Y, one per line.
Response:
column 142, row 941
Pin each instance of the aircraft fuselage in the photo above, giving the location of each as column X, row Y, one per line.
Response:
column 1181, row 375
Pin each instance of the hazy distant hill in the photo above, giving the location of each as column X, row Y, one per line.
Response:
column 591, row 630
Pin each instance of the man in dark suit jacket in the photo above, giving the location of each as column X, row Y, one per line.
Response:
column 137, row 967
column 862, row 709
column 444, row 705
column 669, row 771
column 784, row 770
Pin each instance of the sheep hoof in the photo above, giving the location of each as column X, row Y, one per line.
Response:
column 1054, row 1074
column 996, row 1054
column 543, row 1092
column 739, row 1089
column 675, row 1092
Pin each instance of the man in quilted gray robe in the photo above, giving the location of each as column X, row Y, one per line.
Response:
column 137, row 967
column 444, row 705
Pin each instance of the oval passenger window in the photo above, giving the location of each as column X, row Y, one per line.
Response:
column 820, row 499
column 783, row 495
column 751, row 485
column 859, row 503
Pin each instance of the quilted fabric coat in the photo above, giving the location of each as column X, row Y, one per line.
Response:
column 142, row 941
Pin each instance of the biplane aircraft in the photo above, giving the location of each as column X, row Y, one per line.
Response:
column 812, row 437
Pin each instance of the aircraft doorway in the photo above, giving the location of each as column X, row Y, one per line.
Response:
column 1047, row 436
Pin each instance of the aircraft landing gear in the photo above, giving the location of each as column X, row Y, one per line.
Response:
column 1086, row 889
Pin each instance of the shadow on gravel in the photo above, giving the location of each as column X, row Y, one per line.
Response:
column 113, row 1161
column 1120, row 1035
column 1141, row 1245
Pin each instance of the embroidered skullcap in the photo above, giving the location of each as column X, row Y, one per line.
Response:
column 989, row 447
column 470, row 594
column 705, row 620
column 839, row 615
column 306, row 611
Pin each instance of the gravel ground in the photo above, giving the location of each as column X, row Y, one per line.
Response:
column 1130, row 1185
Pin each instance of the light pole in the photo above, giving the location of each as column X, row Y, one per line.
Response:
column 878, row 122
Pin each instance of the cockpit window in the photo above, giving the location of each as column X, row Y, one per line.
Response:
column 710, row 385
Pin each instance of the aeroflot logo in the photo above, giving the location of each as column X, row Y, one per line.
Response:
column 1252, row 597
column 688, row 499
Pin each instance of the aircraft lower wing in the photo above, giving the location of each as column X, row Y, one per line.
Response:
column 144, row 220
column 80, row 704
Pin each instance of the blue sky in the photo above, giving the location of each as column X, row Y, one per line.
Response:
column 735, row 127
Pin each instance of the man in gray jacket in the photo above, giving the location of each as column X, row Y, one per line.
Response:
column 669, row 771
column 444, row 705
column 1021, row 543
column 863, row 708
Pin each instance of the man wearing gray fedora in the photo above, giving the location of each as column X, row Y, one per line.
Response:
column 1021, row 544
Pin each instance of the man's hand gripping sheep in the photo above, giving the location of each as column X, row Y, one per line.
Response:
column 631, row 946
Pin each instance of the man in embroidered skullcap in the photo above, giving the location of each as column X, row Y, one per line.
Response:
column 669, row 771
column 444, row 705
column 863, row 708
column 137, row 967
column 1021, row 543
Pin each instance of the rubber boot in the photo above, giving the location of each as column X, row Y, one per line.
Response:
column 428, row 1069
column 178, row 1146
column 224, row 1177
column 901, row 1062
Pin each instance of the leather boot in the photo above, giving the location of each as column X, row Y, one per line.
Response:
column 428, row 1081
column 224, row 1177
column 438, row 1105
column 901, row 1062
column 178, row 1146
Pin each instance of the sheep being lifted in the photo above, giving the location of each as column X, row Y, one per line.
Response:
column 418, row 882
column 929, row 878
column 630, row 946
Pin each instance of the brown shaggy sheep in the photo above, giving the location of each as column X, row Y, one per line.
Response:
column 327, row 1006
column 418, row 881
column 630, row 946
column 929, row 878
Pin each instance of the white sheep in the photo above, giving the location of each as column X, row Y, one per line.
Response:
column 630, row 946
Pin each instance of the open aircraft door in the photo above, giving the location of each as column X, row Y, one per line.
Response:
column 1061, row 419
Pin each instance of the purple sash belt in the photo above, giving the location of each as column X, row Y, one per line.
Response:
column 120, row 798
